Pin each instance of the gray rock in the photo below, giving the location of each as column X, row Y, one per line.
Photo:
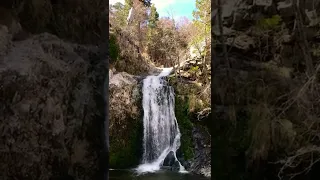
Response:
column 48, row 108
column 4, row 40
column 263, row 2
column 201, row 164
column 243, row 41
column 312, row 17
column 285, row 8
column 169, row 160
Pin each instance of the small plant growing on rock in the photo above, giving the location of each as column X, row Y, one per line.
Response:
column 315, row 50
column 272, row 23
column 263, row 30
column 193, row 70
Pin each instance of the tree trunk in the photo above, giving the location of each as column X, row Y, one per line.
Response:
column 303, row 41
column 205, row 56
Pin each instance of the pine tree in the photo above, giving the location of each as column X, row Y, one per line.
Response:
column 122, row 12
column 153, row 17
column 202, row 19
column 128, row 3
column 127, row 6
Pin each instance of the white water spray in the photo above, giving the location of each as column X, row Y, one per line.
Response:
column 161, row 132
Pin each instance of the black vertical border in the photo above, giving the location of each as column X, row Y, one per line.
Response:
column 212, row 74
column 103, row 89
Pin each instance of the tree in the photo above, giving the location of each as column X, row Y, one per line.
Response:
column 127, row 6
column 152, row 31
column 119, row 13
column 202, row 20
column 153, row 17
column 139, row 15
column 128, row 3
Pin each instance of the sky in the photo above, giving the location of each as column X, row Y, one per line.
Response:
column 178, row 8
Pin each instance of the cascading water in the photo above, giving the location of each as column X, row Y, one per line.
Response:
column 161, row 131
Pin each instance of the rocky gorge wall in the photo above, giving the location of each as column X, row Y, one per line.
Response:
column 269, row 30
column 195, row 149
column 272, row 48
column 75, row 21
column 50, row 116
column 125, row 121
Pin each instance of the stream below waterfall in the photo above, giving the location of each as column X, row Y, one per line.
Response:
column 160, row 175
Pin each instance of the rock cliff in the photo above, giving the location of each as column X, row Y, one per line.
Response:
column 126, row 125
column 272, row 48
column 50, row 120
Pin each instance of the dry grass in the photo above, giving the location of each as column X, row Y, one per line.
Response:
column 284, row 115
column 307, row 151
column 130, row 60
column 260, row 132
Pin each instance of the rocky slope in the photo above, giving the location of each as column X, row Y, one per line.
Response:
column 272, row 45
column 50, row 120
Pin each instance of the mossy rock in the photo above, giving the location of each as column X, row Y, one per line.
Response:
column 126, row 139
column 125, row 149
column 185, row 106
column 185, row 126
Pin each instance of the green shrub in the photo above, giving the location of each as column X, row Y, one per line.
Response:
column 113, row 49
column 185, row 126
column 272, row 23
column 125, row 149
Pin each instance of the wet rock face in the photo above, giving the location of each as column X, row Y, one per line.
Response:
column 169, row 160
column 201, row 164
column 49, row 115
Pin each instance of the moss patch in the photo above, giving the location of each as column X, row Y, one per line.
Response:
column 125, row 149
column 186, row 103
column 126, row 141
column 185, row 125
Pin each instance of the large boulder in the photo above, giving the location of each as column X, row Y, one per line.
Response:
column 125, row 120
column 50, row 121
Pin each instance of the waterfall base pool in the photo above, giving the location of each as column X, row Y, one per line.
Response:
column 159, row 175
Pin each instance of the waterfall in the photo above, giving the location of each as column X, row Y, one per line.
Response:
column 161, row 133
